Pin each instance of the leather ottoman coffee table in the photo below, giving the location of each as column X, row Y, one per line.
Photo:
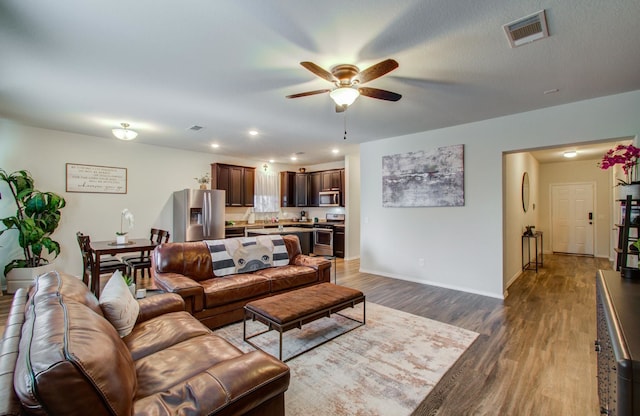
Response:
column 293, row 309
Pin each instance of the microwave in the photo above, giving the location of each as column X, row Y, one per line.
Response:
column 329, row 199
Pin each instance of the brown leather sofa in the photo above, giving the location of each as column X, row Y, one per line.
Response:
column 187, row 269
column 60, row 356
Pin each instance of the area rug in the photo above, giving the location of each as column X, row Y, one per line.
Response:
column 386, row 367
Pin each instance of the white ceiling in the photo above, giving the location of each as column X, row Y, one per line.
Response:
column 227, row 65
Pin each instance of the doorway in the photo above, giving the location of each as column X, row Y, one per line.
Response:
column 572, row 218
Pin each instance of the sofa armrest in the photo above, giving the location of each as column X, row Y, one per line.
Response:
column 9, row 402
column 191, row 291
column 159, row 305
column 232, row 387
column 315, row 262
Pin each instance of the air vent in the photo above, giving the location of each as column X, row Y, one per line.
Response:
column 527, row 29
column 196, row 128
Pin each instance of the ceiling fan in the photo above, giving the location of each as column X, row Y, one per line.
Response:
column 347, row 79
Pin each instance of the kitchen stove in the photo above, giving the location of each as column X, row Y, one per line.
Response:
column 323, row 234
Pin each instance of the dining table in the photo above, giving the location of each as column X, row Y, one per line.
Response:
column 101, row 248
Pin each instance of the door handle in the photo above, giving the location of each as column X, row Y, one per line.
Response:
column 591, row 218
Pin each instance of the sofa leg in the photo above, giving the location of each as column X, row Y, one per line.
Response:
column 272, row 407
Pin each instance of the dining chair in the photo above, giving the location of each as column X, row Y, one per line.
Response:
column 142, row 261
column 107, row 265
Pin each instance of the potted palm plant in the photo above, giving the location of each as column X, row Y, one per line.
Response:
column 36, row 218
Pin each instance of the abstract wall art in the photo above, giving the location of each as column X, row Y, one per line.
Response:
column 426, row 178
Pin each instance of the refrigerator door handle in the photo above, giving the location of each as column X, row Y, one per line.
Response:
column 206, row 215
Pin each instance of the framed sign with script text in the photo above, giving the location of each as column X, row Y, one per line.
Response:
column 96, row 179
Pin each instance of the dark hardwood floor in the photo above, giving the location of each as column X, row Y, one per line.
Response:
column 534, row 355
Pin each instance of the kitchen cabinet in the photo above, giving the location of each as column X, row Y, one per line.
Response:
column 302, row 190
column 315, row 186
column 331, row 180
column 238, row 182
column 287, row 189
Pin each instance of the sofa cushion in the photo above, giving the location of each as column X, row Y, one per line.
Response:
column 64, row 348
column 191, row 259
column 230, row 387
column 179, row 362
column 118, row 304
column 287, row 277
column 158, row 333
column 247, row 254
column 230, row 289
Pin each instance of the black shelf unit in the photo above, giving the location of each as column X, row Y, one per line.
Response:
column 624, row 239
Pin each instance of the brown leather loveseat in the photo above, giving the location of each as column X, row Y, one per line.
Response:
column 60, row 356
column 187, row 269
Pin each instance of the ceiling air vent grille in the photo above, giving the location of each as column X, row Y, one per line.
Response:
column 527, row 29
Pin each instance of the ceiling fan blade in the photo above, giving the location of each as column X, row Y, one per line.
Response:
column 379, row 94
column 304, row 94
column 321, row 72
column 377, row 70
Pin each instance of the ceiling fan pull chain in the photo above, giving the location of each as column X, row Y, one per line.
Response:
column 345, row 125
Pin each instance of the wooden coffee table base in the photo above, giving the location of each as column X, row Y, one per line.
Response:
column 293, row 309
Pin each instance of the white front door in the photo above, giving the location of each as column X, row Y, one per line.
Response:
column 572, row 218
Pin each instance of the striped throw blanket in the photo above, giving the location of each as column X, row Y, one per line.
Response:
column 247, row 254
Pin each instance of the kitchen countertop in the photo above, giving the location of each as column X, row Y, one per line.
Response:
column 260, row 224
column 289, row 230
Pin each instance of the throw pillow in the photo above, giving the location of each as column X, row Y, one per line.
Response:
column 118, row 304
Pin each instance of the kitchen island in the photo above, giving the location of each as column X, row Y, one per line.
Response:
column 305, row 235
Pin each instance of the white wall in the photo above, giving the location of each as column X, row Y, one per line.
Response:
column 515, row 218
column 154, row 173
column 352, row 207
column 463, row 247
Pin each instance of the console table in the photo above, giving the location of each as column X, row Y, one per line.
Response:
column 537, row 261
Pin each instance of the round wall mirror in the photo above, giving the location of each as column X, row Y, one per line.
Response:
column 525, row 192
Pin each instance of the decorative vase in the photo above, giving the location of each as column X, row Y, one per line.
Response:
column 624, row 190
column 24, row 276
column 203, row 186
column 121, row 239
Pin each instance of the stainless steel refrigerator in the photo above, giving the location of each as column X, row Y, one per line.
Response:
column 198, row 214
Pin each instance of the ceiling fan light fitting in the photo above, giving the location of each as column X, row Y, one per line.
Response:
column 124, row 133
column 344, row 96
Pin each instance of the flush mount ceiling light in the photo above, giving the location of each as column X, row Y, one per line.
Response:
column 570, row 154
column 253, row 132
column 124, row 133
column 344, row 96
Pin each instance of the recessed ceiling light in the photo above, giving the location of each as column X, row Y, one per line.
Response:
column 294, row 158
column 570, row 154
column 253, row 132
column 335, row 151
column 272, row 161
column 215, row 145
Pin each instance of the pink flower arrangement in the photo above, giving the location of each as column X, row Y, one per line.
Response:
column 625, row 155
